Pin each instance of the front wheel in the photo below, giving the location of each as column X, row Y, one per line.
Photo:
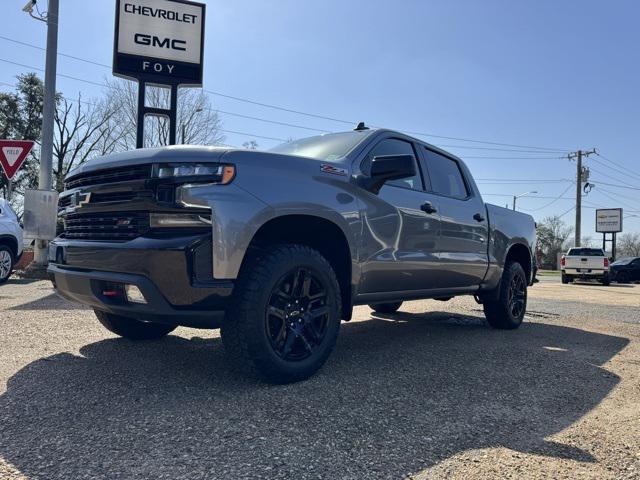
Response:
column 507, row 312
column 285, row 316
column 131, row 328
column 6, row 263
column 385, row 307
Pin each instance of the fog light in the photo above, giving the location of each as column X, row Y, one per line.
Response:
column 178, row 220
column 134, row 295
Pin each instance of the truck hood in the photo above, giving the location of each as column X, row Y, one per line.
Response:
column 193, row 153
column 142, row 156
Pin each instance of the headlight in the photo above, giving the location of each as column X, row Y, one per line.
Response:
column 214, row 173
column 178, row 220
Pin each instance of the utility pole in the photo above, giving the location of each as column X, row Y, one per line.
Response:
column 48, row 112
column 580, row 174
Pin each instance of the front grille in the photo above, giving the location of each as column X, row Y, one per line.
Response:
column 105, row 226
column 113, row 175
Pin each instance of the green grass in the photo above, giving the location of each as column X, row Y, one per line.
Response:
column 548, row 273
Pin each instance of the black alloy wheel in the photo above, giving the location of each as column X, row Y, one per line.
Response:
column 297, row 316
column 517, row 296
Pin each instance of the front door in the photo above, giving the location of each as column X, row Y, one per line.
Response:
column 400, row 231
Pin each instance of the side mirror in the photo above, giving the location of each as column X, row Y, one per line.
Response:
column 388, row 167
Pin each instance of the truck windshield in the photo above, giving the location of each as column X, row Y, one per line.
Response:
column 586, row 252
column 330, row 147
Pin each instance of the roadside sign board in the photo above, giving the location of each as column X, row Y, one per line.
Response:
column 13, row 154
column 40, row 214
column 159, row 41
column 609, row 220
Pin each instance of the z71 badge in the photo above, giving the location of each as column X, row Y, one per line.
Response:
column 332, row 169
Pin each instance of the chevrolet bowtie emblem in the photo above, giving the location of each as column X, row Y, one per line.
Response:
column 80, row 199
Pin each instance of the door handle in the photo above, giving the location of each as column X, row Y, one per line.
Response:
column 478, row 217
column 427, row 207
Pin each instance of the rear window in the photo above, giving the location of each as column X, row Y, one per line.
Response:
column 586, row 252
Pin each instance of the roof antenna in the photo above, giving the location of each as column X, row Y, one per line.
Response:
column 361, row 127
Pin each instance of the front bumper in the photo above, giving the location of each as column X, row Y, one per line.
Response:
column 173, row 274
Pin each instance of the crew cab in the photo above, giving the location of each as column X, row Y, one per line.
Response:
column 585, row 264
column 275, row 248
column 10, row 240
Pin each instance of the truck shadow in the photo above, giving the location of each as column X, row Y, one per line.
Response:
column 400, row 394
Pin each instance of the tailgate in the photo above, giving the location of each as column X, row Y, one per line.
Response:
column 596, row 263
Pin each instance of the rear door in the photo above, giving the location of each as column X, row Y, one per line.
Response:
column 464, row 230
column 400, row 234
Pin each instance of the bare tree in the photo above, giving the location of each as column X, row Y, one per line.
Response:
column 82, row 130
column 629, row 245
column 197, row 122
column 553, row 235
column 587, row 242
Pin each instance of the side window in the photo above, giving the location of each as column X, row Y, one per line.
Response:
column 445, row 175
column 393, row 146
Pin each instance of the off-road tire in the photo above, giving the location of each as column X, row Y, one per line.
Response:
column 12, row 257
column 131, row 328
column 500, row 312
column 244, row 330
column 385, row 307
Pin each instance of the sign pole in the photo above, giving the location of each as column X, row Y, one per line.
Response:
column 142, row 87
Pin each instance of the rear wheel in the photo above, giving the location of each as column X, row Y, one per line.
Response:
column 507, row 312
column 285, row 316
column 385, row 307
column 623, row 277
column 131, row 328
column 606, row 280
column 6, row 263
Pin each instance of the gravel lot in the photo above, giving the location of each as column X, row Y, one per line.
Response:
column 430, row 392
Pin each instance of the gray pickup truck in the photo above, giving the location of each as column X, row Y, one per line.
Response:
column 275, row 248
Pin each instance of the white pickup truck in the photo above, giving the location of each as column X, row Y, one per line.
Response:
column 585, row 264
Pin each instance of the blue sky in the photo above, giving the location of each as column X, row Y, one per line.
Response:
column 559, row 75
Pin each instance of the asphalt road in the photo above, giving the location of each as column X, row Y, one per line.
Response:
column 430, row 392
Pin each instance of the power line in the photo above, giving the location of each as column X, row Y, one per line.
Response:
column 507, row 181
column 616, row 200
column 299, row 112
column 509, row 158
column 612, row 178
column 598, row 188
column 104, row 85
column 625, row 172
column 597, row 182
column 559, row 197
column 617, row 164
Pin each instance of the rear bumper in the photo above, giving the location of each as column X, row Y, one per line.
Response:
column 173, row 274
column 585, row 273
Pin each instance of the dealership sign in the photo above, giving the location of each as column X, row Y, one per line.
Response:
column 159, row 41
column 609, row 220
